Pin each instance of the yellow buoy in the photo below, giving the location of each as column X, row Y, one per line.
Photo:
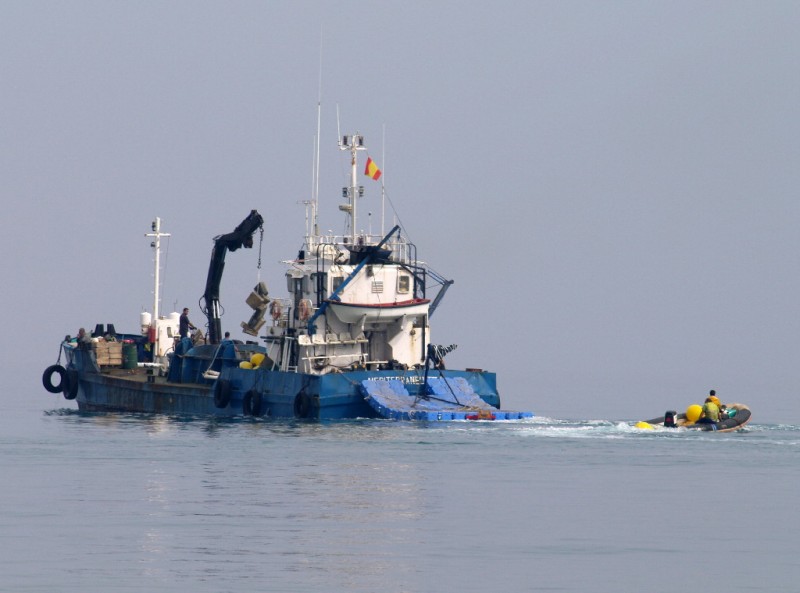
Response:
column 644, row 425
column 245, row 365
column 256, row 359
column 693, row 413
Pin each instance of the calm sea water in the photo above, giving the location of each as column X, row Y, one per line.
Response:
column 99, row 503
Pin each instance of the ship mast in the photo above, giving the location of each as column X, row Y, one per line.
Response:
column 156, row 245
column 352, row 143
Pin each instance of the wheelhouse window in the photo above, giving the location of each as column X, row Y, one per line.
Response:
column 403, row 283
column 297, row 285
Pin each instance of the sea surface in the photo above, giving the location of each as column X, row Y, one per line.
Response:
column 102, row 503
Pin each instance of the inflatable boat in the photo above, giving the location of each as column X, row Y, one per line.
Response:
column 734, row 417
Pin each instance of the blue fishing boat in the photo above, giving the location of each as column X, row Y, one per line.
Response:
column 351, row 338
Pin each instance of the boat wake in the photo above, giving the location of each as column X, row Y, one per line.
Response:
column 535, row 427
column 556, row 428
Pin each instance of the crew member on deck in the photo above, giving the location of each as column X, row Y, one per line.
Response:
column 184, row 324
column 84, row 341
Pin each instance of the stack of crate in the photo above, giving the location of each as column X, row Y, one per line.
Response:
column 108, row 353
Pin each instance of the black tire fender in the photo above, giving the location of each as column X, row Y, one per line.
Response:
column 222, row 394
column 47, row 378
column 302, row 404
column 251, row 404
column 70, row 384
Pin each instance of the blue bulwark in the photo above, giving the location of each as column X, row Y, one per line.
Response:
column 449, row 399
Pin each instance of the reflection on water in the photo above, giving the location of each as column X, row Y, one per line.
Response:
column 277, row 494
column 376, row 430
column 147, row 502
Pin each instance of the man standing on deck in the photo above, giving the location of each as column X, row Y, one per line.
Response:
column 84, row 341
column 184, row 325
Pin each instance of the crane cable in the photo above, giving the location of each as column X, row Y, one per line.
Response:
column 260, row 244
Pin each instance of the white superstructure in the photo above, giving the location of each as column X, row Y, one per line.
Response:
column 355, row 301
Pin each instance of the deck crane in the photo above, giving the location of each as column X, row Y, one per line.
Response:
column 242, row 236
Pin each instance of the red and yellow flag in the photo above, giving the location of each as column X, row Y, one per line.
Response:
column 372, row 170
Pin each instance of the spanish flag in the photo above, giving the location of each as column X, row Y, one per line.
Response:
column 372, row 170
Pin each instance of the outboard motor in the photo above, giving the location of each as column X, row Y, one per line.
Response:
column 669, row 418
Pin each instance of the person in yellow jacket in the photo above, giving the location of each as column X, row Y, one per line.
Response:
column 711, row 409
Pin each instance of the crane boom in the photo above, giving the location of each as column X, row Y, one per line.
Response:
column 242, row 236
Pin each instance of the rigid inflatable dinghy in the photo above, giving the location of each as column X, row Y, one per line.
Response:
column 734, row 417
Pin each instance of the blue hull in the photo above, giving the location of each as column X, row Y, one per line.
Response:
column 241, row 392
column 336, row 395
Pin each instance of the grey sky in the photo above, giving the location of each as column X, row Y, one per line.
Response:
column 612, row 185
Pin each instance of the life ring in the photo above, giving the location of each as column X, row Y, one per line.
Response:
column 251, row 404
column 222, row 394
column 47, row 378
column 70, row 384
column 302, row 404
column 275, row 310
column 304, row 309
